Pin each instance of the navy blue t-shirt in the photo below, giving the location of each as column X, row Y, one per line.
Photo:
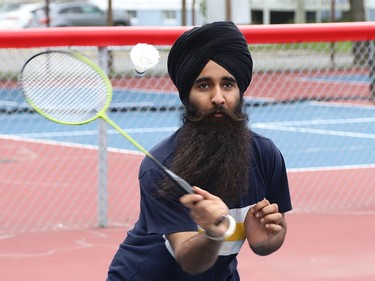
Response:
column 146, row 255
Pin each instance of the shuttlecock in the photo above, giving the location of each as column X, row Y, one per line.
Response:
column 144, row 57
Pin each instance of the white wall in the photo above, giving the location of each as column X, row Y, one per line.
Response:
column 291, row 5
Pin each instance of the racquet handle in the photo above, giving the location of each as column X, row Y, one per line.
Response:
column 183, row 184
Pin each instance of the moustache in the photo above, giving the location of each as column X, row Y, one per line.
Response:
column 219, row 109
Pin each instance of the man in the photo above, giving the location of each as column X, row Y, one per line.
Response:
column 239, row 177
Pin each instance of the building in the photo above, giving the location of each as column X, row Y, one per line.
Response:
column 296, row 11
column 157, row 13
column 169, row 12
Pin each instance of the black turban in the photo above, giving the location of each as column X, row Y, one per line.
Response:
column 221, row 42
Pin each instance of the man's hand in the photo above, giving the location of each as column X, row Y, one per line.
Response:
column 265, row 227
column 206, row 210
column 194, row 251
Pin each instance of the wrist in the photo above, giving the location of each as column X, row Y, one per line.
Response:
column 232, row 225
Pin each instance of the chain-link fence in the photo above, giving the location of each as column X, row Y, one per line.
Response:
column 315, row 100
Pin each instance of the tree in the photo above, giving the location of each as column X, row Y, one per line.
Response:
column 357, row 10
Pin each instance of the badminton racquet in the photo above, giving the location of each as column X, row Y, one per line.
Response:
column 68, row 88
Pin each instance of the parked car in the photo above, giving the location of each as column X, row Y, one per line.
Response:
column 7, row 7
column 19, row 16
column 77, row 14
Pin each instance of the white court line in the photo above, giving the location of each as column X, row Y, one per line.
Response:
column 94, row 132
column 93, row 147
column 284, row 125
column 333, row 80
column 68, row 144
column 322, row 121
column 332, row 168
column 291, row 126
column 315, row 131
column 342, row 104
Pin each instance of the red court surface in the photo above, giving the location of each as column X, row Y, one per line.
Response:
column 335, row 244
column 318, row 247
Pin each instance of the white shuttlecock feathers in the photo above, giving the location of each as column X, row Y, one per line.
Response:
column 144, row 56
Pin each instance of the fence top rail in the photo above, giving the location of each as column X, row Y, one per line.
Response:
column 130, row 35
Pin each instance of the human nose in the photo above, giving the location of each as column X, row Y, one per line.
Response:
column 217, row 96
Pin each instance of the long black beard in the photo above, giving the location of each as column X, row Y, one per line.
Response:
column 213, row 153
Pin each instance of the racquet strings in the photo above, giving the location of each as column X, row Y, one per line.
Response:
column 69, row 89
column 64, row 88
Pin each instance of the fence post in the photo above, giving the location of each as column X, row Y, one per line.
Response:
column 372, row 70
column 102, row 155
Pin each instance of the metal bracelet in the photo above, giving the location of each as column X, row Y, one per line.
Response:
column 228, row 233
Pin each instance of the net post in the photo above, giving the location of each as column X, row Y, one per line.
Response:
column 102, row 155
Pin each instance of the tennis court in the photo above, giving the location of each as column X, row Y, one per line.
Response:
column 310, row 94
column 318, row 247
column 330, row 230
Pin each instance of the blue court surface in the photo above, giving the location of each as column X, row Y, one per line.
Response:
column 309, row 134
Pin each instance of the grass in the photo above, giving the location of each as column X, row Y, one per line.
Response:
column 321, row 47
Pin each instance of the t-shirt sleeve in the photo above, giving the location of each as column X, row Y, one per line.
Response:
column 161, row 214
column 277, row 180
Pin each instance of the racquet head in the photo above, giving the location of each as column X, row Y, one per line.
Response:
column 65, row 87
column 68, row 88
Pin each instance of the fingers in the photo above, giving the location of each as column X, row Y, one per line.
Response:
column 272, row 222
column 190, row 200
column 205, row 193
column 206, row 210
column 264, row 208
column 268, row 214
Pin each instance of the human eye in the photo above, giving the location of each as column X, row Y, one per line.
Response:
column 202, row 84
column 229, row 83
column 228, row 86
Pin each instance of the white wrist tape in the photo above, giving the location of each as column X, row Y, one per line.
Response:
column 231, row 229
